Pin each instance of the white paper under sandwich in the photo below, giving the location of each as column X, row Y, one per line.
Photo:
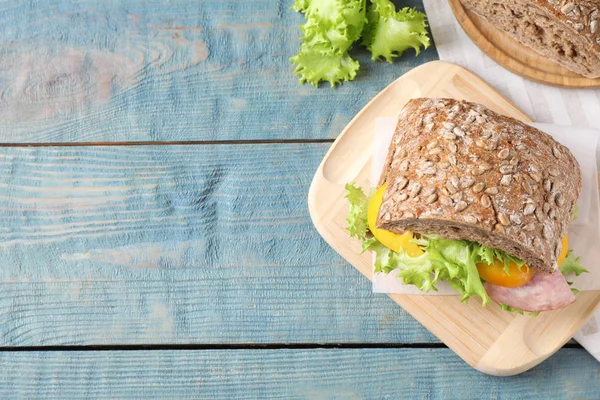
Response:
column 583, row 233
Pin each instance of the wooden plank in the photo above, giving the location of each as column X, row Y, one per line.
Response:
column 176, row 244
column 286, row 374
column 164, row 71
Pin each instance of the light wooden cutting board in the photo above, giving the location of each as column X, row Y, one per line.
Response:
column 491, row 340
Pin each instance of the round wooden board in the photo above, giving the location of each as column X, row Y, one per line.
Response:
column 515, row 56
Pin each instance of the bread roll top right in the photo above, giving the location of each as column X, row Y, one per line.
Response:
column 565, row 31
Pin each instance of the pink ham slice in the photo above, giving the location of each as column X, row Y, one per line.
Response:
column 542, row 293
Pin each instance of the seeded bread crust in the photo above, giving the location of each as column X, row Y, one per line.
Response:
column 460, row 171
column 567, row 32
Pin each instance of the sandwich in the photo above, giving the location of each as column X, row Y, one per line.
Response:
column 476, row 199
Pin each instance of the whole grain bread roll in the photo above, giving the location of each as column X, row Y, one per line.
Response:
column 565, row 31
column 460, row 171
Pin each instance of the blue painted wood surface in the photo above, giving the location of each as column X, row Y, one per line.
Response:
column 288, row 374
column 130, row 70
column 176, row 244
column 206, row 244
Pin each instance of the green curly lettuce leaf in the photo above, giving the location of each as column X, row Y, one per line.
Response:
column 575, row 213
column 314, row 67
column 507, row 259
column 512, row 309
column 444, row 260
column 331, row 27
column 571, row 265
column 357, row 213
column 300, row 5
column 508, row 308
column 488, row 254
column 389, row 32
column 338, row 22
column 574, row 290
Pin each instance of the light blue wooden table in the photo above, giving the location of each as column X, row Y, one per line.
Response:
column 155, row 240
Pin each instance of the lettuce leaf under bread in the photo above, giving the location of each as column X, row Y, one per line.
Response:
column 512, row 309
column 357, row 213
column 444, row 260
column 571, row 265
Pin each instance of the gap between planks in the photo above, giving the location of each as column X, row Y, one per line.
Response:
column 242, row 346
column 169, row 143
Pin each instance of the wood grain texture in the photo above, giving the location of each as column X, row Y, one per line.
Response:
column 479, row 335
column 176, row 244
column 128, row 70
column 515, row 56
column 287, row 374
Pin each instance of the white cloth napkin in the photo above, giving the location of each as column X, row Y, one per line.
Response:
column 566, row 107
